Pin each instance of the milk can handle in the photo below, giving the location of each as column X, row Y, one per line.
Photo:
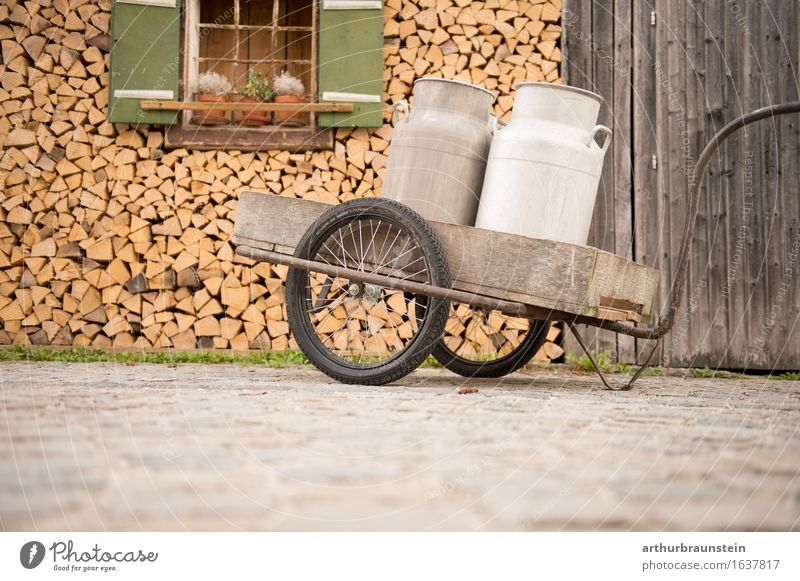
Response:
column 495, row 123
column 402, row 104
column 606, row 141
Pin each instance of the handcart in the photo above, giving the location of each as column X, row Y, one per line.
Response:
column 371, row 284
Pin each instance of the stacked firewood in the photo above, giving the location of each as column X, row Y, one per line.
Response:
column 109, row 240
column 492, row 43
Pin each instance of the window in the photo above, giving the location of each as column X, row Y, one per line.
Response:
column 162, row 48
column 238, row 38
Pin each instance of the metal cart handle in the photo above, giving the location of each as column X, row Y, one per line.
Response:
column 684, row 257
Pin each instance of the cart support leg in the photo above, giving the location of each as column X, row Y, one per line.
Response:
column 621, row 387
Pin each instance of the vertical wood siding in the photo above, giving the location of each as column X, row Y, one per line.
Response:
column 670, row 87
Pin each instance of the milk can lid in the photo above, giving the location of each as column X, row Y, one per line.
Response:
column 562, row 88
column 478, row 87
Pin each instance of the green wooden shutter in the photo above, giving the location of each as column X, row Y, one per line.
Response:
column 145, row 59
column 351, row 61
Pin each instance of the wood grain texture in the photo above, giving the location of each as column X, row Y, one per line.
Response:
column 553, row 275
column 701, row 65
column 212, row 138
column 114, row 236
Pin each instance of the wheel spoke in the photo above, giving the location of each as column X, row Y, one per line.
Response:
column 372, row 331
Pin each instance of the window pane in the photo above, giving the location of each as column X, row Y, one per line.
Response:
column 217, row 44
column 296, row 14
column 297, row 48
column 216, row 12
column 256, row 12
column 256, row 44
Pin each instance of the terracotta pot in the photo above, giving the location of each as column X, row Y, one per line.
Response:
column 215, row 117
column 250, row 118
column 290, row 117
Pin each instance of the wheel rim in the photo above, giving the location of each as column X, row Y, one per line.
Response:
column 358, row 325
column 481, row 337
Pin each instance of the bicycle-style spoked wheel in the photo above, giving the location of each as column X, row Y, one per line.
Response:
column 477, row 343
column 357, row 332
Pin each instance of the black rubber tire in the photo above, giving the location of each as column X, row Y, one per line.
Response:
column 533, row 341
column 432, row 325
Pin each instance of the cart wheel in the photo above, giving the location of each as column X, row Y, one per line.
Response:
column 364, row 333
column 480, row 344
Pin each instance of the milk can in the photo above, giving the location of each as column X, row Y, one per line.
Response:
column 544, row 167
column 438, row 153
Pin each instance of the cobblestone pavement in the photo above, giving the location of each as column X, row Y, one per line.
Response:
column 224, row 447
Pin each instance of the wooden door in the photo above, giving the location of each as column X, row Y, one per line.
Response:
column 673, row 73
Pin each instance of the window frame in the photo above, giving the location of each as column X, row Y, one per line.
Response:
column 271, row 137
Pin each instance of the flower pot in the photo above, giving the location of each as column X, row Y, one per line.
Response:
column 215, row 117
column 250, row 118
column 290, row 117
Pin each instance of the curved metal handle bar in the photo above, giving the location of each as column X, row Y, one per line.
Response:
column 684, row 257
column 613, row 387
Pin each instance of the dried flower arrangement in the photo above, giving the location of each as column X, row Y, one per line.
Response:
column 289, row 89
column 286, row 84
column 211, row 83
column 212, row 88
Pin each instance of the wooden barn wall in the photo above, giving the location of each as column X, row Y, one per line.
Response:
column 673, row 73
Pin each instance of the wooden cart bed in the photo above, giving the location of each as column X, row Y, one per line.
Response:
column 552, row 276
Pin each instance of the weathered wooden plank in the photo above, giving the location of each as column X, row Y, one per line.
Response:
column 706, row 321
column 727, row 291
column 701, row 65
column 789, row 356
column 781, row 271
column 758, row 291
column 225, row 106
column 753, row 93
column 291, row 138
column 623, row 165
column 577, row 59
column 552, row 275
column 739, row 191
column 584, row 39
column 671, row 78
column 604, row 221
column 645, row 192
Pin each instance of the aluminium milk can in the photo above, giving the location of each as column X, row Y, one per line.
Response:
column 438, row 152
column 544, row 166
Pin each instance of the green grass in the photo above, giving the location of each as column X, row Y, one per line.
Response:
column 787, row 376
column 604, row 361
column 80, row 355
column 708, row 373
column 583, row 363
column 432, row 363
column 606, row 364
column 294, row 357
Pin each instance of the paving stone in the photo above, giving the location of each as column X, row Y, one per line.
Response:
column 224, row 447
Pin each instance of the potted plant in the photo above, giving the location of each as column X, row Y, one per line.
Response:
column 212, row 88
column 289, row 89
column 255, row 90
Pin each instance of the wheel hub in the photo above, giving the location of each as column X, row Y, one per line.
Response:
column 371, row 292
